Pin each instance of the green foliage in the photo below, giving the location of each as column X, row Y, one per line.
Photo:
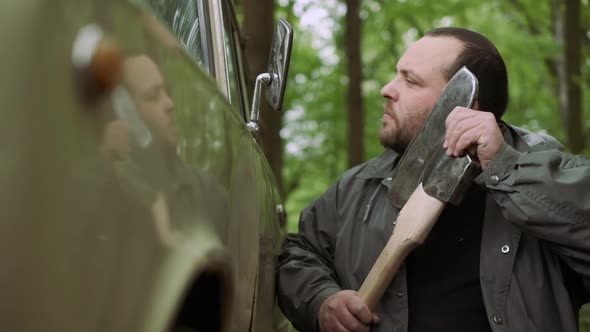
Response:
column 314, row 125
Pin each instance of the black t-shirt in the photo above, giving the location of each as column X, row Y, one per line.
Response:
column 444, row 293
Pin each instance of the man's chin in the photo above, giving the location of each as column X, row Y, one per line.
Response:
column 391, row 141
column 395, row 147
column 388, row 143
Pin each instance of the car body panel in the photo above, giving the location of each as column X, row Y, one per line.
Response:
column 93, row 242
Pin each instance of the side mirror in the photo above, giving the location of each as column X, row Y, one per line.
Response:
column 278, row 63
column 275, row 80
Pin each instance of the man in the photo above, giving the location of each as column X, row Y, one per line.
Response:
column 514, row 256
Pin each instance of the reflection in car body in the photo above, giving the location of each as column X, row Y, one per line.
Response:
column 134, row 197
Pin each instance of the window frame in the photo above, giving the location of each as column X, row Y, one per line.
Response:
column 223, row 17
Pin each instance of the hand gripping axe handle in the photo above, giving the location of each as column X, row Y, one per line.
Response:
column 425, row 180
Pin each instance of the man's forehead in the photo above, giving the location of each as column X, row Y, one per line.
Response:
column 430, row 54
column 141, row 71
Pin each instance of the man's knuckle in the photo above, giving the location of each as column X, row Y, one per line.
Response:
column 354, row 326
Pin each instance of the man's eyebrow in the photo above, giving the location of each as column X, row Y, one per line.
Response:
column 155, row 88
column 412, row 74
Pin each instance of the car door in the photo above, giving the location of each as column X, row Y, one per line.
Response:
column 133, row 194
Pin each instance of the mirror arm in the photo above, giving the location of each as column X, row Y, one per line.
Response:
column 263, row 80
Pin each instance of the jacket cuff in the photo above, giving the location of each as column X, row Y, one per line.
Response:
column 317, row 302
column 500, row 167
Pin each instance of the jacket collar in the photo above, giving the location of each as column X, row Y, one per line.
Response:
column 381, row 166
column 512, row 137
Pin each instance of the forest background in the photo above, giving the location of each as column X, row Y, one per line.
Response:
column 344, row 51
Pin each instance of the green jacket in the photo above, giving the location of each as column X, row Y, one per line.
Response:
column 535, row 248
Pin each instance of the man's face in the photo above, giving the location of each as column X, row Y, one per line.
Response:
column 412, row 93
column 151, row 99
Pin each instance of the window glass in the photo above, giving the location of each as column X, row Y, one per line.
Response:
column 186, row 19
column 234, row 82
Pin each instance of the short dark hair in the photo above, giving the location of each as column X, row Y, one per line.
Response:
column 482, row 58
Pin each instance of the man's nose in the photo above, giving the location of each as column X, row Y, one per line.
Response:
column 168, row 103
column 390, row 90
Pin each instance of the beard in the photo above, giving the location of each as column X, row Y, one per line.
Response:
column 398, row 132
column 394, row 138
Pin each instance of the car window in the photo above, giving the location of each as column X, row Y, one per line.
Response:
column 234, row 79
column 188, row 21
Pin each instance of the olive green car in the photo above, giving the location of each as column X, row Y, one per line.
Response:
column 134, row 196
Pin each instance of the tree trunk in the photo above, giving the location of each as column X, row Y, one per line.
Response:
column 354, row 96
column 258, row 30
column 569, row 73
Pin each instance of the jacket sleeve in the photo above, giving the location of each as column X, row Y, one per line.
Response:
column 546, row 193
column 306, row 275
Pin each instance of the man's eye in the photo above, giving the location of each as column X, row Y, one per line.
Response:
column 409, row 81
column 151, row 96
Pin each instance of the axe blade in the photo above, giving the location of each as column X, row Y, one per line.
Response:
column 448, row 178
column 461, row 90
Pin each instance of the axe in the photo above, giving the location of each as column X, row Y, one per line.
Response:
column 425, row 180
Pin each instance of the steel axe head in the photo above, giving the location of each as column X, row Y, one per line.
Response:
column 425, row 149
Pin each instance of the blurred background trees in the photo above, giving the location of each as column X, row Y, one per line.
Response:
column 345, row 50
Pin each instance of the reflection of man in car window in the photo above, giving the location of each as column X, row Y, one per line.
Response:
column 143, row 110
column 149, row 169
column 141, row 141
column 148, row 90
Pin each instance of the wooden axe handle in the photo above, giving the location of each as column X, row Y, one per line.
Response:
column 413, row 224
